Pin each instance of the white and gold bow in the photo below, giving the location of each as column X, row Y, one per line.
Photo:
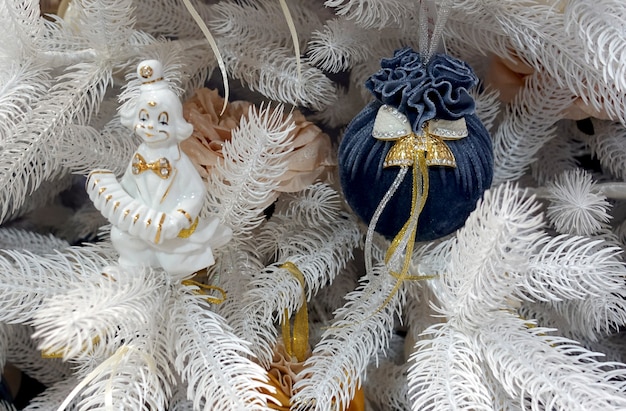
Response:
column 392, row 125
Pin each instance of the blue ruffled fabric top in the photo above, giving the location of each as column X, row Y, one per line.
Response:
column 438, row 89
column 423, row 92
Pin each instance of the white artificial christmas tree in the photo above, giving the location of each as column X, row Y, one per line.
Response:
column 521, row 308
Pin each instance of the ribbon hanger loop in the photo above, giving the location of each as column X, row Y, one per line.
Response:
column 431, row 22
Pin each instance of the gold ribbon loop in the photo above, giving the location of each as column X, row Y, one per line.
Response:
column 202, row 288
column 297, row 340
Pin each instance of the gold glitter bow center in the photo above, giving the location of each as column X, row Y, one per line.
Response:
column 392, row 125
column 160, row 167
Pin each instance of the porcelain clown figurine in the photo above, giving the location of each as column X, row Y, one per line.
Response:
column 155, row 207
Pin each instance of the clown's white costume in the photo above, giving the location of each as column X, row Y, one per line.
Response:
column 154, row 208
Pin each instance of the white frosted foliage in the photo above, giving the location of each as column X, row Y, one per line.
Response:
column 520, row 309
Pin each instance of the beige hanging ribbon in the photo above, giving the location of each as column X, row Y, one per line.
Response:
column 294, row 36
column 220, row 61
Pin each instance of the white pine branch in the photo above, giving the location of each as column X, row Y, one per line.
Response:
column 599, row 29
column 15, row 239
column 446, row 372
column 244, row 183
column 31, row 157
column 106, row 24
column 548, row 371
column 527, row 125
column 387, row 387
column 318, row 203
column 373, row 13
column 21, row 22
column 96, row 317
column 576, row 206
column 44, row 196
column 5, row 330
column 339, row 45
column 86, row 149
column 571, row 267
column 264, row 21
column 211, row 359
column 129, row 379
column 272, row 71
column 236, row 265
column 53, row 397
column 320, row 253
column 362, row 328
column 27, row 279
column 179, row 401
column 596, row 316
column 556, row 49
column 508, row 227
column 609, row 145
column 24, row 354
column 171, row 19
column 349, row 103
column 487, row 105
column 559, row 154
column 22, row 85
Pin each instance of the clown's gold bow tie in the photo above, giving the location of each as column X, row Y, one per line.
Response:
column 160, row 167
column 391, row 125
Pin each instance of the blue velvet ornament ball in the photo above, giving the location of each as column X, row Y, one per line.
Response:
column 439, row 90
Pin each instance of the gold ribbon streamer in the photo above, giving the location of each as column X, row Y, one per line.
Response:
column 297, row 340
column 418, row 200
column 205, row 287
column 418, row 152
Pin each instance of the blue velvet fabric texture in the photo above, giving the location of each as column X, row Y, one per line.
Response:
column 439, row 90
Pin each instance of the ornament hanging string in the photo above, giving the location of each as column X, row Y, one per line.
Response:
column 431, row 31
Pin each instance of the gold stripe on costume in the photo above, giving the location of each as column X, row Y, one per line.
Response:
column 126, row 213
column 186, row 214
column 187, row 232
column 148, row 222
column 157, row 238
column 108, row 198
column 167, row 191
column 135, row 218
column 115, row 206
column 102, row 190
column 152, row 81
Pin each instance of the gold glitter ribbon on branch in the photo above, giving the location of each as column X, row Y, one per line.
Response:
column 296, row 340
column 202, row 288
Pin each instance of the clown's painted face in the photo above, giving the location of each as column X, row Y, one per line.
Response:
column 154, row 122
